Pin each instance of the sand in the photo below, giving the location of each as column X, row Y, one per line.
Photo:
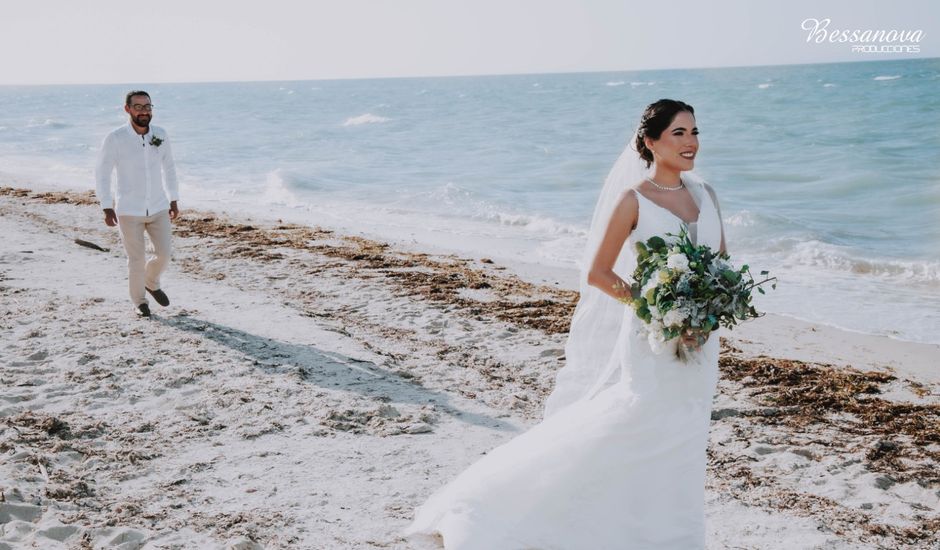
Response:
column 308, row 389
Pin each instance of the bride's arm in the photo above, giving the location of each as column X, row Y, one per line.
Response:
column 621, row 224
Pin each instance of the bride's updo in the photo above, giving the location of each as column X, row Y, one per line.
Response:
column 656, row 118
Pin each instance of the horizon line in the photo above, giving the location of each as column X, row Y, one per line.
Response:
column 467, row 75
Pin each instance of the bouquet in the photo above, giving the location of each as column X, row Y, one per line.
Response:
column 680, row 286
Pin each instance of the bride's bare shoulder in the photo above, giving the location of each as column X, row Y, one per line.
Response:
column 628, row 205
column 629, row 195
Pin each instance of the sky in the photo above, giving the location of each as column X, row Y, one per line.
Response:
column 112, row 41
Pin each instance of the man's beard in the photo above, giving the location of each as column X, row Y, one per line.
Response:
column 142, row 120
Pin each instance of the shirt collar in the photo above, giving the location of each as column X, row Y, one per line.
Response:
column 133, row 132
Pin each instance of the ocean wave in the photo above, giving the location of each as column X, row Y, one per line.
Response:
column 616, row 83
column 829, row 85
column 48, row 123
column 759, row 222
column 824, row 255
column 278, row 189
column 892, row 77
column 450, row 194
column 743, row 218
column 367, row 118
column 464, row 203
column 534, row 223
column 635, row 84
column 764, row 86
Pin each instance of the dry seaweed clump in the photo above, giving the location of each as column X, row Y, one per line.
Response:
column 16, row 192
column 52, row 197
column 33, row 427
column 437, row 280
column 67, row 197
column 903, row 438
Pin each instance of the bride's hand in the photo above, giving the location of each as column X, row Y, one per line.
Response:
column 694, row 338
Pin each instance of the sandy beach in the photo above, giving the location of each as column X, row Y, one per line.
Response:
column 308, row 389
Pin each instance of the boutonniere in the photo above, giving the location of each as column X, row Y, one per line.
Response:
column 155, row 141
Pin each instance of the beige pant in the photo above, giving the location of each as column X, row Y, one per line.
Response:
column 142, row 272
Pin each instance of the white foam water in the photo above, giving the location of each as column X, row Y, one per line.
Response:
column 367, row 118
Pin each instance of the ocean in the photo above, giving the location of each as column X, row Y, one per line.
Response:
column 828, row 175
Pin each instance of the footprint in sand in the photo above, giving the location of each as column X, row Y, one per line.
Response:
column 120, row 538
column 57, row 532
column 10, row 511
column 38, row 355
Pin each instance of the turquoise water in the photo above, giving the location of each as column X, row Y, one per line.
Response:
column 829, row 175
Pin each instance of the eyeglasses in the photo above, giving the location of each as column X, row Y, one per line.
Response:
column 142, row 108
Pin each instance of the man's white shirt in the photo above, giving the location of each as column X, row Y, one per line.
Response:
column 146, row 174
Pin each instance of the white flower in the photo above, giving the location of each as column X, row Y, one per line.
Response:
column 650, row 285
column 657, row 343
column 674, row 318
column 679, row 262
column 654, row 312
column 655, row 336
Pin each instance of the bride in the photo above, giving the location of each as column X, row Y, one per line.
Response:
column 619, row 460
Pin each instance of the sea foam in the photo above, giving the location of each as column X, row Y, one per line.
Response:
column 367, row 118
column 817, row 254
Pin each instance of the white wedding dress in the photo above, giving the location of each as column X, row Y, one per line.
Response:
column 621, row 469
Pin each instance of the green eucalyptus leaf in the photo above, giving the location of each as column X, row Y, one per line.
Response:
column 656, row 243
column 731, row 276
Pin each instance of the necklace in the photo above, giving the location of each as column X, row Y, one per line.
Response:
column 663, row 187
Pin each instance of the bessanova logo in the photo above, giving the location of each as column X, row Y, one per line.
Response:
column 864, row 40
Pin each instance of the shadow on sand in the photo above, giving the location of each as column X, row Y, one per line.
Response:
column 329, row 370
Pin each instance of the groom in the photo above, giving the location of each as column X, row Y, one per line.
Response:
column 144, row 197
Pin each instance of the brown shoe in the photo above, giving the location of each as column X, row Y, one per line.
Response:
column 159, row 296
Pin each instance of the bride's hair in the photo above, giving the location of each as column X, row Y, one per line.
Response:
column 656, row 118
